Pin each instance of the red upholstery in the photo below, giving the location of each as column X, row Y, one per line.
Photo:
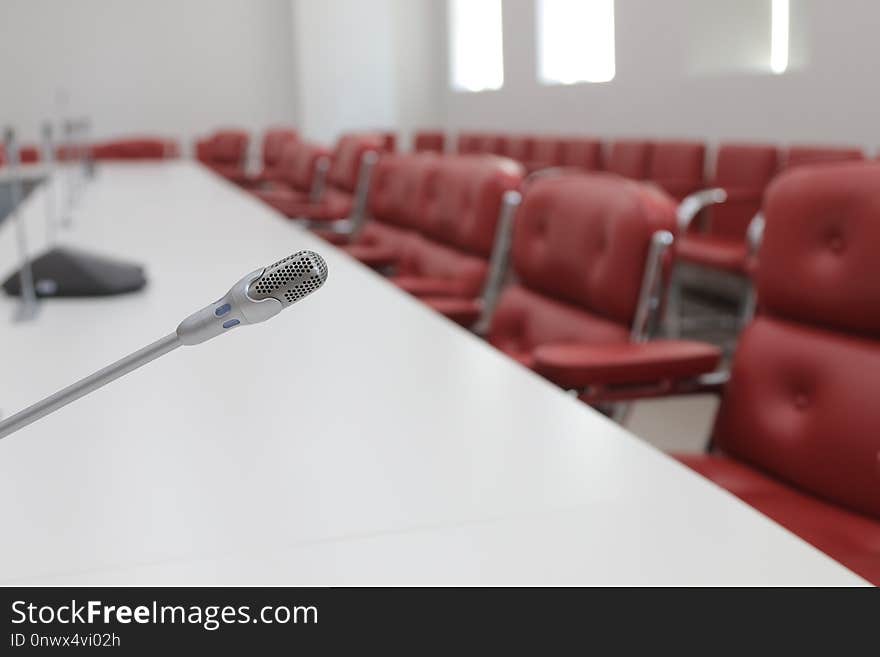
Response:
column 29, row 154
column 142, row 148
column 851, row 538
column 464, row 312
column 519, row 148
column 389, row 142
column 630, row 158
column 677, row 166
column 274, row 142
column 745, row 171
column 344, row 170
column 582, row 153
column 225, row 152
column 294, row 178
column 800, row 155
column 713, row 252
column 546, row 152
column 458, row 228
column 468, row 142
column 579, row 245
column 801, row 404
column 429, row 141
column 574, row 365
column 400, row 190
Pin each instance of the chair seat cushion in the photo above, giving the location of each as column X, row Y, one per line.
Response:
column 428, row 286
column 233, row 172
column 464, row 312
column 334, row 205
column 850, row 538
column 715, row 252
column 376, row 256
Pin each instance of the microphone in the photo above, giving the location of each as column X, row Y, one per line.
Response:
column 260, row 295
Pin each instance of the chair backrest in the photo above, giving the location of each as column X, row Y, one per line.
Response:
column 274, row 142
column 346, row 165
column 468, row 142
column 429, row 141
column 228, row 147
column 630, row 158
column 400, row 188
column 463, row 208
column 134, row 148
column 800, row 155
column 678, row 166
column 802, row 400
column 582, row 152
column 519, row 148
column 491, row 144
column 547, row 151
column 744, row 171
column 580, row 243
column 297, row 165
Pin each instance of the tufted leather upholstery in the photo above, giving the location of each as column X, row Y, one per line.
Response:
column 583, row 153
column 457, row 226
column 578, row 250
column 801, row 406
column 429, row 141
column 677, row 166
column 137, row 148
column 630, row 158
column 800, row 155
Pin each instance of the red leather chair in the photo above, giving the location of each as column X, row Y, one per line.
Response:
column 519, row 148
column 797, row 435
column 448, row 260
column 389, row 142
column 225, row 152
column 429, row 141
column 26, row 154
column 718, row 241
column 300, row 174
column 582, row 153
column 587, row 255
column 346, row 188
column 800, row 155
column 546, row 153
column 678, row 167
column 274, row 142
column 630, row 158
column 468, row 142
column 401, row 186
column 492, row 144
column 135, row 148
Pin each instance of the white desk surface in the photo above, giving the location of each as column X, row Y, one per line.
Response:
column 24, row 173
column 356, row 438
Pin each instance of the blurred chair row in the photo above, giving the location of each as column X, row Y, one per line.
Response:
column 567, row 273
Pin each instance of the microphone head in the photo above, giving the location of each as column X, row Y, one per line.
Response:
column 290, row 279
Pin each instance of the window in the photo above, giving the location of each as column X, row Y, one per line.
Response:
column 476, row 48
column 575, row 41
column 779, row 35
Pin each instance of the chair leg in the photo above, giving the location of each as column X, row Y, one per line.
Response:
column 621, row 412
column 673, row 306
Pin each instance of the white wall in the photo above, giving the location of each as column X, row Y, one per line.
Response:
column 173, row 67
column 367, row 65
column 671, row 81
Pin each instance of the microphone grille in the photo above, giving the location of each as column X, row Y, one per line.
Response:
column 291, row 278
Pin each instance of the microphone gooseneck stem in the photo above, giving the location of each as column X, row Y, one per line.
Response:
column 89, row 384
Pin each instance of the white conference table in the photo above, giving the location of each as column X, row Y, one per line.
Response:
column 356, row 438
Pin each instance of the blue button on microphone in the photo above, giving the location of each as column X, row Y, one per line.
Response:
column 222, row 310
column 231, row 323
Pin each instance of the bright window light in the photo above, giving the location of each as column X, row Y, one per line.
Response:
column 779, row 36
column 476, row 47
column 575, row 41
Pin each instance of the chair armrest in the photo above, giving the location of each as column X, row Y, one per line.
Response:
column 695, row 203
column 579, row 366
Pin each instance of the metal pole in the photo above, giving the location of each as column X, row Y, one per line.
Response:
column 27, row 307
column 89, row 384
column 49, row 189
